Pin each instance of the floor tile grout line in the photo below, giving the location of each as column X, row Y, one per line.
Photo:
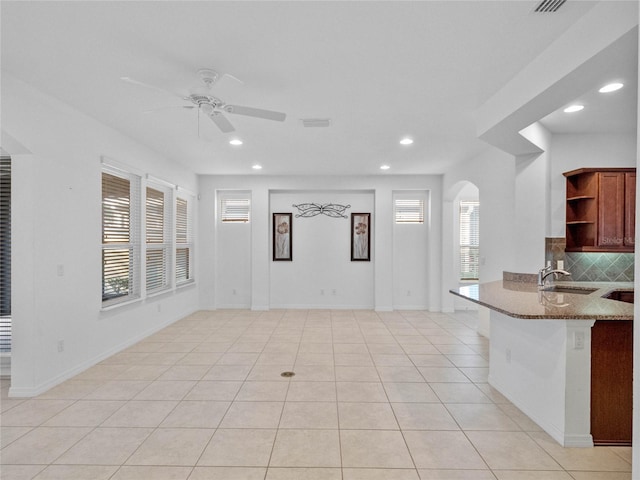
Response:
column 275, row 438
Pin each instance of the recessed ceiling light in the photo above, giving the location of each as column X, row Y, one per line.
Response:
column 235, row 141
column 385, row 167
column 406, row 141
column 257, row 167
column 573, row 108
column 611, row 87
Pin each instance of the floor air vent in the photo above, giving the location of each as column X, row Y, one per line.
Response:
column 549, row 6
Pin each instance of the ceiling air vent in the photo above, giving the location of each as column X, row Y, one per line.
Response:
column 549, row 6
column 315, row 122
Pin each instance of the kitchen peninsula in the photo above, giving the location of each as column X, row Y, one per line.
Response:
column 562, row 354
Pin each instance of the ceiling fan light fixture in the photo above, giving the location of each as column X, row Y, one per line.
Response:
column 206, row 108
column 236, row 142
column 406, row 141
column 611, row 87
column 573, row 108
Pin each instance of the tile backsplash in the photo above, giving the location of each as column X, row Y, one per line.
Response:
column 590, row 266
column 600, row 267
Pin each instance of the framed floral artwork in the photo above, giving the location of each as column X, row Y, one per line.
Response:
column 360, row 237
column 282, row 238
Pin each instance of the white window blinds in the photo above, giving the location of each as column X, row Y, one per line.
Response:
column 184, row 240
column 5, row 254
column 158, row 238
column 408, row 210
column 120, row 236
column 469, row 239
column 235, row 209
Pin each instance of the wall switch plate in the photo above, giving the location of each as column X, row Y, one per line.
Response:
column 578, row 340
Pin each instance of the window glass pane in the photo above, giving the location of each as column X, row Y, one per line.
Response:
column 116, row 272
column 156, row 271
column 469, row 239
column 116, row 202
column 5, row 254
column 155, row 216
column 409, row 210
column 235, row 209
column 181, row 220
column 184, row 240
column 182, row 264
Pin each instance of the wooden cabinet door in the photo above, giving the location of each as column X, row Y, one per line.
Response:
column 611, row 382
column 630, row 209
column 611, row 209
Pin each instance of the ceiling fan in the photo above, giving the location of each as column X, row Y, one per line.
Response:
column 203, row 99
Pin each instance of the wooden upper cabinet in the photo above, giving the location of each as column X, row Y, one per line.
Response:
column 600, row 208
column 630, row 209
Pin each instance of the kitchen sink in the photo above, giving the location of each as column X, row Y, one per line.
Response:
column 568, row 289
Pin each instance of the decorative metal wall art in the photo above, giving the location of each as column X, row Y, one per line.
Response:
column 329, row 209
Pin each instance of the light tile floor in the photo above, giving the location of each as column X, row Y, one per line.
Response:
column 375, row 396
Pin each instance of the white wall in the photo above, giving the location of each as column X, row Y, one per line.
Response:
column 365, row 284
column 410, row 259
column 493, row 172
column 571, row 151
column 532, row 201
column 232, row 259
column 56, row 224
column 321, row 274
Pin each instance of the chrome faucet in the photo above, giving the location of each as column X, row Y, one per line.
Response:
column 543, row 273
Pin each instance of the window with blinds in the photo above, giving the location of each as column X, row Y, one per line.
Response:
column 5, row 254
column 184, row 240
column 120, row 236
column 235, row 209
column 158, row 238
column 469, row 239
column 408, row 210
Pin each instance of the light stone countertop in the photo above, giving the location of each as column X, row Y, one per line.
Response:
column 524, row 300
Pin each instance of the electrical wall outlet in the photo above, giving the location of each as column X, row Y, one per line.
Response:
column 60, row 346
column 578, row 340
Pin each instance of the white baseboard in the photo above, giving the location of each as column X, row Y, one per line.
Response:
column 564, row 439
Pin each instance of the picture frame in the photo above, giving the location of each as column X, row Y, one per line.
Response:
column 282, row 237
column 360, row 237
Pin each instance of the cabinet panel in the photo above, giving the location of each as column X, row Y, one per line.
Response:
column 630, row 209
column 611, row 382
column 611, row 209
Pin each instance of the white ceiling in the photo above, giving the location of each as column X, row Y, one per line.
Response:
column 379, row 70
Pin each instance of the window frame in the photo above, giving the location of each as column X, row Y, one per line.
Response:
column 151, row 243
column 188, row 242
column 409, row 209
column 470, row 248
column 227, row 197
column 132, row 245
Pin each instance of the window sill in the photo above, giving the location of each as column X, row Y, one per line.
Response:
column 186, row 284
column 115, row 306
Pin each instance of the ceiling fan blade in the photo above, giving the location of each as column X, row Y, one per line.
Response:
column 221, row 122
column 147, row 85
column 255, row 112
